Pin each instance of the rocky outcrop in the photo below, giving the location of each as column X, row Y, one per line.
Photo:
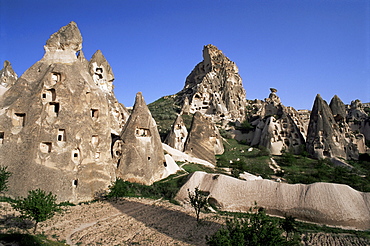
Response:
column 325, row 138
column 141, row 157
column 275, row 126
column 178, row 134
column 204, row 140
column 215, row 88
column 101, row 71
column 358, row 120
column 338, row 109
column 7, row 75
column 57, row 126
column 323, row 203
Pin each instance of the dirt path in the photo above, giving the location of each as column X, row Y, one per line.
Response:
column 129, row 221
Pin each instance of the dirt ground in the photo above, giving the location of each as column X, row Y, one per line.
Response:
column 129, row 221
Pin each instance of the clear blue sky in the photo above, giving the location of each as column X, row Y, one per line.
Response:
column 300, row 47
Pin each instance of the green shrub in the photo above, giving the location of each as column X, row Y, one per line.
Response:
column 4, row 176
column 253, row 229
column 38, row 206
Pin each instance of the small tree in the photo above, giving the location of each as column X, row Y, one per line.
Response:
column 198, row 200
column 38, row 206
column 4, row 176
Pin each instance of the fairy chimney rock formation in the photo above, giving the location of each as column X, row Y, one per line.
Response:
column 142, row 158
column 101, row 71
column 215, row 88
column 204, row 140
column 177, row 136
column 7, row 75
column 323, row 137
column 338, row 109
column 277, row 127
column 64, row 45
column 57, row 125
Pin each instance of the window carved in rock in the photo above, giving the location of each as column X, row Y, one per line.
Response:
column 142, row 132
column 45, row 147
column 95, row 140
column 19, row 119
column 53, row 109
column 76, row 155
column 94, row 113
column 48, row 95
column 55, row 78
column 1, row 137
column 61, row 135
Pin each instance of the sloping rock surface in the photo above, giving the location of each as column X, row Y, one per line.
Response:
column 324, row 203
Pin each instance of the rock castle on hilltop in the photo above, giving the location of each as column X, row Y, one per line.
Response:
column 214, row 88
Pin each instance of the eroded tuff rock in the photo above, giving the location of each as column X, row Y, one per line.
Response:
column 325, row 138
column 338, row 109
column 276, row 127
column 204, row 140
column 7, row 75
column 323, row 203
column 56, row 125
column 215, row 88
column 178, row 134
column 101, row 71
column 141, row 157
column 64, row 45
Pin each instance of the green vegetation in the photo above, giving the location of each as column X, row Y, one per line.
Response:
column 4, row 176
column 198, row 200
column 37, row 206
column 255, row 161
column 166, row 188
column 28, row 240
column 300, row 169
column 255, row 228
column 164, row 111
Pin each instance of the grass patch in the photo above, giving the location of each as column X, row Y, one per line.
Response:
column 164, row 112
column 299, row 169
column 237, row 157
column 166, row 188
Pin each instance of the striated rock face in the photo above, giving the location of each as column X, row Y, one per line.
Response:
column 204, row 140
column 57, row 125
column 215, row 88
column 324, row 203
column 141, row 157
column 7, row 75
column 178, row 134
